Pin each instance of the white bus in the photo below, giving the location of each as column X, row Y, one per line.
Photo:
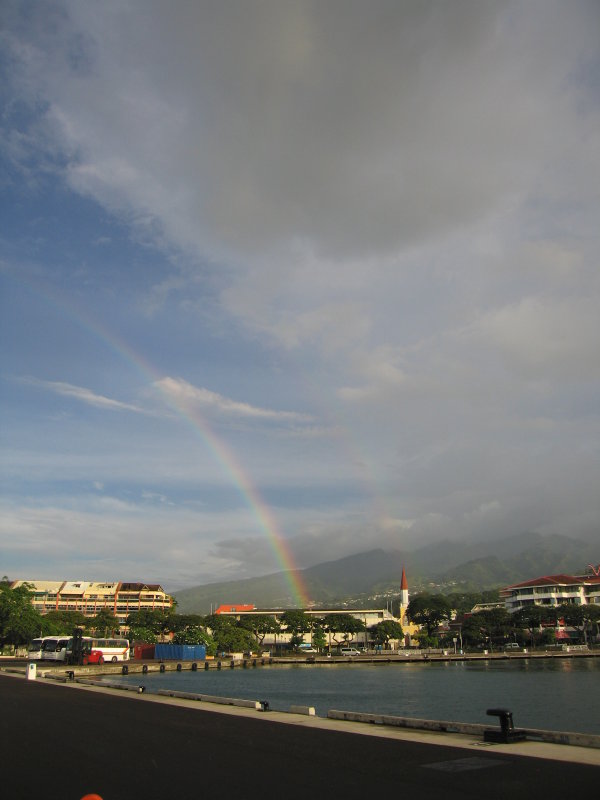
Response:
column 97, row 651
column 34, row 651
column 54, row 648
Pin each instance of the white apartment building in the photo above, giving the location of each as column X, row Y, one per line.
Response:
column 552, row 590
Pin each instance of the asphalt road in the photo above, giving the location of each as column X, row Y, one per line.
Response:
column 61, row 742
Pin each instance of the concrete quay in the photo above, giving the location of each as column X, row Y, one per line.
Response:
column 66, row 740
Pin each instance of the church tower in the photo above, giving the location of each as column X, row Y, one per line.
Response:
column 403, row 590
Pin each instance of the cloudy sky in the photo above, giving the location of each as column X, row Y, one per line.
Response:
column 284, row 281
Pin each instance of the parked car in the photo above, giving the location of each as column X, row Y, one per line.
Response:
column 349, row 651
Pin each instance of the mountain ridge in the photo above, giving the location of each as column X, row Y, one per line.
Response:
column 442, row 566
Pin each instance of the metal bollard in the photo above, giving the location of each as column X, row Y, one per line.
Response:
column 507, row 732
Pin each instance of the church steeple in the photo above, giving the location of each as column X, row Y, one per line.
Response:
column 403, row 590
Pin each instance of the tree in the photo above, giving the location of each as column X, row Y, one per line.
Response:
column 296, row 623
column 319, row 639
column 345, row 624
column 19, row 620
column 195, row 634
column 429, row 610
column 58, row 621
column 386, row 630
column 228, row 635
column 104, row 623
column 141, row 634
column 530, row 617
column 156, row 621
column 260, row 625
column 234, row 639
column 580, row 617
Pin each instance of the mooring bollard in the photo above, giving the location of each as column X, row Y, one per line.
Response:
column 162, row 667
column 141, row 689
column 218, row 665
column 231, row 664
column 125, row 670
column 206, row 665
column 178, row 667
column 264, row 705
column 145, row 669
column 507, row 732
column 70, row 675
column 194, row 667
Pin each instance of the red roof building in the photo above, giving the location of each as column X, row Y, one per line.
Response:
column 552, row 590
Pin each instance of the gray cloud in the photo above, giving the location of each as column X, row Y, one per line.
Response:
column 401, row 199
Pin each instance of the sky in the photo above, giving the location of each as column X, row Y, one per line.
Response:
column 286, row 281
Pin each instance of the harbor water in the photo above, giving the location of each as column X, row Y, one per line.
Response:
column 552, row 694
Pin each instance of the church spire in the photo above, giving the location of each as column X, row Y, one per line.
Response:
column 403, row 590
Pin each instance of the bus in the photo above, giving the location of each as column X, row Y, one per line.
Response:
column 97, row 651
column 34, row 651
column 54, row 648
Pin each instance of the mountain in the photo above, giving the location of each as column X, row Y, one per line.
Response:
column 443, row 566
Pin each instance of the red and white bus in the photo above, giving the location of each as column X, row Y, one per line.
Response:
column 97, row 651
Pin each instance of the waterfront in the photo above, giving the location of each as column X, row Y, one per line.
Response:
column 556, row 694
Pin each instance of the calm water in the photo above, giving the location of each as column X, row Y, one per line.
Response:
column 557, row 694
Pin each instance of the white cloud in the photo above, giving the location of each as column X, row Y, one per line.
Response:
column 184, row 395
column 83, row 395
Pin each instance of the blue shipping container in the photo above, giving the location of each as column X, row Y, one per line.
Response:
column 180, row 652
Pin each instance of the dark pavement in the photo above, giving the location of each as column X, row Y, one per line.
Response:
column 60, row 742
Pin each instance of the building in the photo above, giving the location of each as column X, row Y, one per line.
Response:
column 90, row 597
column 553, row 590
column 369, row 618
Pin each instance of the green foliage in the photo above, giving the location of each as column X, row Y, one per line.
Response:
column 260, row 625
column 319, row 638
column 104, row 623
column 19, row 621
column 156, row 621
column 429, row 610
column 193, row 634
column 56, row 622
column 234, row 639
column 386, row 630
column 142, row 635
column 179, row 622
column 296, row 622
column 345, row 624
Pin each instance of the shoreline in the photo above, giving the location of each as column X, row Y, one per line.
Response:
column 90, row 677
column 457, row 736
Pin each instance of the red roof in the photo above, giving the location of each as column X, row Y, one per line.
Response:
column 403, row 582
column 232, row 608
column 557, row 580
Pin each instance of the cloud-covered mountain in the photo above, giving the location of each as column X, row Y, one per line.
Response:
column 440, row 567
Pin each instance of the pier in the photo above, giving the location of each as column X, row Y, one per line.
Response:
column 124, row 744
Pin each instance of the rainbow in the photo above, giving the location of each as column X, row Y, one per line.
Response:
column 226, row 459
